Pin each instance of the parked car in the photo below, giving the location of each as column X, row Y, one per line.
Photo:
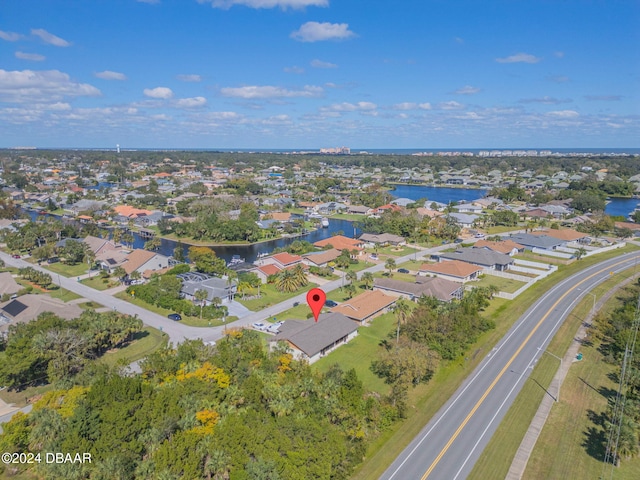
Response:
column 15, row 255
column 295, row 304
column 259, row 326
column 373, row 256
column 330, row 303
column 479, row 235
column 176, row 317
column 459, row 240
column 274, row 327
column 403, row 270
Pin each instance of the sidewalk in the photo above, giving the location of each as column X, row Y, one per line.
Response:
column 519, row 463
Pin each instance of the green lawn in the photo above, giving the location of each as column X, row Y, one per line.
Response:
column 361, row 351
column 271, row 296
column 61, row 293
column 532, row 257
column 503, row 284
column 19, row 397
column 98, row 283
column 144, row 343
column 67, row 270
column 393, row 251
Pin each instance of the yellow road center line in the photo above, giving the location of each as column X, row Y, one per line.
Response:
column 504, row 369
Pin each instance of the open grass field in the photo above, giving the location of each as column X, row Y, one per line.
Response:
column 361, row 351
column 67, row 270
column 271, row 296
column 502, row 284
column 570, row 418
column 98, row 283
column 426, row 400
column 532, row 257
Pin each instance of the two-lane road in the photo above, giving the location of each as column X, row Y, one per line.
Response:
column 451, row 443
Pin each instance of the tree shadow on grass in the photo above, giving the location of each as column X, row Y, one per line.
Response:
column 595, row 442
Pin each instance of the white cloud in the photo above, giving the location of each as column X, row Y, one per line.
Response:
column 47, row 85
column 284, row 4
column 109, row 75
column 564, row 114
column 411, row 106
column 34, row 57
column 294, row 69
column 320, row 64
column 190, row 78
column 458, row 40
column 267, row 91
column 158, row 92
column 49, row 38
column 351, row 107
column 317, row 32
column 559, row 54
column 10, row 36
column 194, row 102
column 467, row 90
column 546, row 100
column 450, row 105
column 558, row 78
column 519, row 58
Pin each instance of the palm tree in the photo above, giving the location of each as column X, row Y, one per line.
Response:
column 300, row 275
column 402, row 309
column 367, row 279
column 201, row 297
column 350, row 290
column 119, row 272
column 390, row 264
column 286, row 281
column 352, row 276
column 581, row 252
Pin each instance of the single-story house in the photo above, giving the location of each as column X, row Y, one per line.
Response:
column 320, row 259
column 265, row 271
column 566, row 234
column 281, row 260
column 464, row 219
column 358, row 209
column 8, row 285
column 214, row 286
column 454, row 270
column 483, row 257
column 30, row 306
column 543, row 242
column 469, row 208
column 443, row 290
column 365, row 307
column 340, row 242
column 508, row 247
column 141, row 260
column 309, row 340
column 382, row 239
column 100, row 245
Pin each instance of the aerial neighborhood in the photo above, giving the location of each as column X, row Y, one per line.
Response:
column 182, row 247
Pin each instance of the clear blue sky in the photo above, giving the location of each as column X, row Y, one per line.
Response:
column 307, row 74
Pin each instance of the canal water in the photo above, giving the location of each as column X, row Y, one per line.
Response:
column 617, row 206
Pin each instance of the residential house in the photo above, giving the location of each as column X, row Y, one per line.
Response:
column 381, row 239
column 443, row 290
column 482, row 257
column 365, row 307
column 469, row 208
column 543, row 242
column 215, row 287
column 112, row 259
column 454, row 270
column 358, row 209
column 463, row 219
column 282, row 260
column 100, row 245
column 309, row 340
column 566, row 234
column 29, row 307
column 8, row 285
column 508, row 247
column 142, row 260
column 340, row 242
column 320, row 259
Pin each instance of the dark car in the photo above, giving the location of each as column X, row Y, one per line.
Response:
column 331, row 303
column 15, row 255
column 403, row 270
column 295, row 304
column 459, row 240
column 174, row 316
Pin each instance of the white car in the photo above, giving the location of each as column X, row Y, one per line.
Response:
column 259, row 326
column 274, row 327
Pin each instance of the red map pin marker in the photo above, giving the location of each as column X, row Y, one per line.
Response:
column 316, row 299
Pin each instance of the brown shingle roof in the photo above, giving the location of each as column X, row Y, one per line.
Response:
column 136, row 259
column 454, row 268
column 363, row 306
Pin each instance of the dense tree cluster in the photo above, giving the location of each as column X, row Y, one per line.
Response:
column 237, row 411
column 616, row 332
column 51, row 348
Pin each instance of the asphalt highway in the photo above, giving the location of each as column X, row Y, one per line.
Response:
column 451, row 443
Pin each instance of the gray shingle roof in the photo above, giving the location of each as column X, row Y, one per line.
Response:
column 312, row 337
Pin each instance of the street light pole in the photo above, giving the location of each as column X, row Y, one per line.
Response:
column 559, row 381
